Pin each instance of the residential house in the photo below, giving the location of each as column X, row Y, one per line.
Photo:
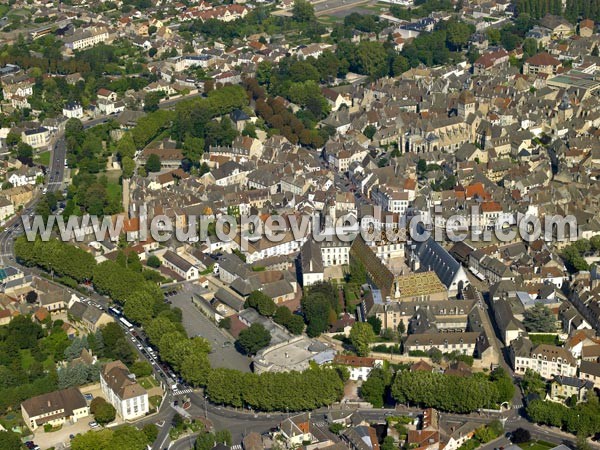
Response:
column 564, row 388
column 180, row 266
column 25, row 175
column 55, row 408
column 590, row 371
column 90, row 317
column 37, row 137
column 6, row 208
column 73, row 110
column 296, row 430
column 558, row 26
column 541, row 63
column 359, row 367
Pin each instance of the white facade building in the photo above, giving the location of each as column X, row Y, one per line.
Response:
column 123, row 392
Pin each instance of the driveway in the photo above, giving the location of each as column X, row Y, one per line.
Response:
column 197, row 324
column 60, row 439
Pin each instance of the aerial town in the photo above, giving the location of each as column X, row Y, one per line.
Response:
column 300, row 224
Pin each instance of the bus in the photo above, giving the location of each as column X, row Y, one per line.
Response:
column 125, row 322
column 114, row 311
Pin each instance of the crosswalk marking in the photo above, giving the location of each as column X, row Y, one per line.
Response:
column 320, row 424
column 236, row 447
column 183, row 391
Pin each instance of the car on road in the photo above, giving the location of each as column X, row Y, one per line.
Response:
column 93, row 424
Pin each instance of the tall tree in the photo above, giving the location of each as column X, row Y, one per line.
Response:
column 539, row 319
column 361, row 335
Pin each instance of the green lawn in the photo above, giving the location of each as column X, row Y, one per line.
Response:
column 26, row 359
column 43, row 158
column 537, row 445
column 155, row 400
column 148, row 382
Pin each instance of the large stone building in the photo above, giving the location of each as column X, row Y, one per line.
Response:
column 547, row 360
column 123, row 392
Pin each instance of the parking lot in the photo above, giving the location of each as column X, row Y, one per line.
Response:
column 196, row 323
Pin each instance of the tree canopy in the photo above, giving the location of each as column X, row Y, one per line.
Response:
column 253, row 338
column 539, row 319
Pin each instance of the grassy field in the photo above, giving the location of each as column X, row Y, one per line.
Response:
column 536, row 445
column 43, row 158
column 148, row 382
column 113, row 188
column 155, row 401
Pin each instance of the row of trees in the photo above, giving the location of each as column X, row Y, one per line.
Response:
column 539, row 8
column 294, row 391
column 574, row 10
column 586, row 9
column 452, row 393
column 583, row 419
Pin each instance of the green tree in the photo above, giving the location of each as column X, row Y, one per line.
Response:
column 388, row 443
column 254, row 338
column 361, row 335
column 295, row 325
column 530, row 47
column 126, row 146
column 10, row 441
column 539, row 319
column 375, row 323
column 141, row 369
column 225, row 323
column 374, row 389
column 24, row 153
column 153, row 163
column 128, row 166
column 493, row 35
column 582, row 442
column 533, row 383
column 504, row 384
column 458, row 34
column 316, row 307
column 370, row 131
column 262, row 303
column 401, row 328
column 303, row 11
column 371, row 59
column 153, row 261
column 103, row 411
column 223, row 437
column 204, row 441
column 152, row 100
column 151, row 432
